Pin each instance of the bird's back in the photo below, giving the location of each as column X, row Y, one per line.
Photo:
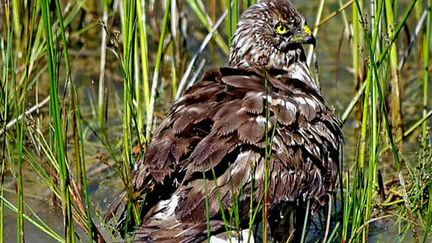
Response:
column 209, row 154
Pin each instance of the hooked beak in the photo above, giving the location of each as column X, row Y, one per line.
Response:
column 304, row 36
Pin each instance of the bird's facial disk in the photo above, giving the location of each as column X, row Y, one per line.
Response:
column 290, row 35
column 271, row 34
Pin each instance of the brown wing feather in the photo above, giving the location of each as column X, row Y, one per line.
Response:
column 212, row 144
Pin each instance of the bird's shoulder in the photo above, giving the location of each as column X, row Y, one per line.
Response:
column 225, row 110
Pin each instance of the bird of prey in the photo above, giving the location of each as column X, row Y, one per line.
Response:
column 257, row 133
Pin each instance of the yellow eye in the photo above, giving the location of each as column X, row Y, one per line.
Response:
column 281, row 29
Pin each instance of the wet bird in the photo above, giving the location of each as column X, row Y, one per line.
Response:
column 262, row 113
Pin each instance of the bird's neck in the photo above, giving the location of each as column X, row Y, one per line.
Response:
column 292, row 62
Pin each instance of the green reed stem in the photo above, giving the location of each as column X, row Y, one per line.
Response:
column 144, row 59
column 375, row 111
column 252, row 208
column 64, row 41
column 78, row 140
column 4, row 95
column 58, row 129
column 363, row 135
column 157, row 70
column 178, row 50
column 21, row 129
column 227, row 223
column 68, row 85
column 267, row 165
column 371, row 41
column 80, row 160
column 315, row 31
column 364, row 127
column 344, row 15
column 233, row 7
column 426, row 72
column 357, row 43
column 371, row 178
column 10, row 64
column 20, row 109
column 236, row 14
column 347, row 206
column 398, row 29
column 207, row 208
column 206, row 21
column 365, row 192
column 419, row 9
column 37, row 223
column 16, row 10
column 410, row 130
column 174, row 78
column 377, row 99
column 426, row 97
column 395, row 93
column 229, row 23
column 103, row 90
column 305, row 222
column 81, row 172
column 128, row 67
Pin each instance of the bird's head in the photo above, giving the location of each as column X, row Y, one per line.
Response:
column 270, row 34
